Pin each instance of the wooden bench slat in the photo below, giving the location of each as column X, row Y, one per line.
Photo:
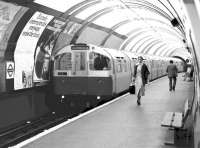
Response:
column 178, row 118
column 175, row 119
column 167, row 119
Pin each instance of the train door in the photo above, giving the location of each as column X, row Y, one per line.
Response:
column 80, row 71
column 79, row 59
column 130, row 67
column 119, row 75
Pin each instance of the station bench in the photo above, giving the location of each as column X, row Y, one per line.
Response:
column 176, row 121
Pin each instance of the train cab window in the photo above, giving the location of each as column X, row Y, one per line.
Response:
column 99, row 62
column 63, row 62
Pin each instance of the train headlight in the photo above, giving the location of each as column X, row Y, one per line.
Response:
column 62, row 96
column 98, row 97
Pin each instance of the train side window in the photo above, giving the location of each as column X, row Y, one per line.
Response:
column 63, row 62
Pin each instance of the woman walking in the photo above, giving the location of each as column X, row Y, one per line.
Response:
column 140, row 76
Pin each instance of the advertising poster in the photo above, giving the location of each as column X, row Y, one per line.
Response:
column 25, row 49
column 7, row 13
column 43, row 51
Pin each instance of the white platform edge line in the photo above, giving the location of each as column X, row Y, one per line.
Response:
column 28, row 141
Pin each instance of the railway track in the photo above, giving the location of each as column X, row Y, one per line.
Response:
column 30, row 128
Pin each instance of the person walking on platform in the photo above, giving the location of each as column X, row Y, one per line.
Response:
column 172, row 74
column 187, row 70
column 140, row 77
column 192, row 72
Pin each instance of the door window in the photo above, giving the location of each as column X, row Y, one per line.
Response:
column 80, row 61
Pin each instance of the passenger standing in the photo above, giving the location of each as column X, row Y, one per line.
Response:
column 187, row 70
column 172, row 74
column 192, row 72
column 140, row 76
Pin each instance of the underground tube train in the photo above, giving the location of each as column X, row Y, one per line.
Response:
column 97, row 73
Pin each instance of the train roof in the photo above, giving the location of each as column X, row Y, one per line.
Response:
column 131, row 55
column 115, row 53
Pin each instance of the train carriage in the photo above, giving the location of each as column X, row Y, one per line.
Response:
column 122, row 70
column 88, row 70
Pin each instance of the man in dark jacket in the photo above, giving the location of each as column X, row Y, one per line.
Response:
column 172, row 74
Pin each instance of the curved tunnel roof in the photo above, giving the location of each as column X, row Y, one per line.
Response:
column 152, row 27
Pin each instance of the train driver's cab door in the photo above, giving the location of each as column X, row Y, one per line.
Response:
column 79, row 63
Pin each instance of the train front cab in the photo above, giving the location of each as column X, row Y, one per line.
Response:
column 77, row 74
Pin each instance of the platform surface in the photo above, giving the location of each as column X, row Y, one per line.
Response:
column 123, row 124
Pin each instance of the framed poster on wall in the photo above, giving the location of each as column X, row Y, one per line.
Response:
column 25, row 49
